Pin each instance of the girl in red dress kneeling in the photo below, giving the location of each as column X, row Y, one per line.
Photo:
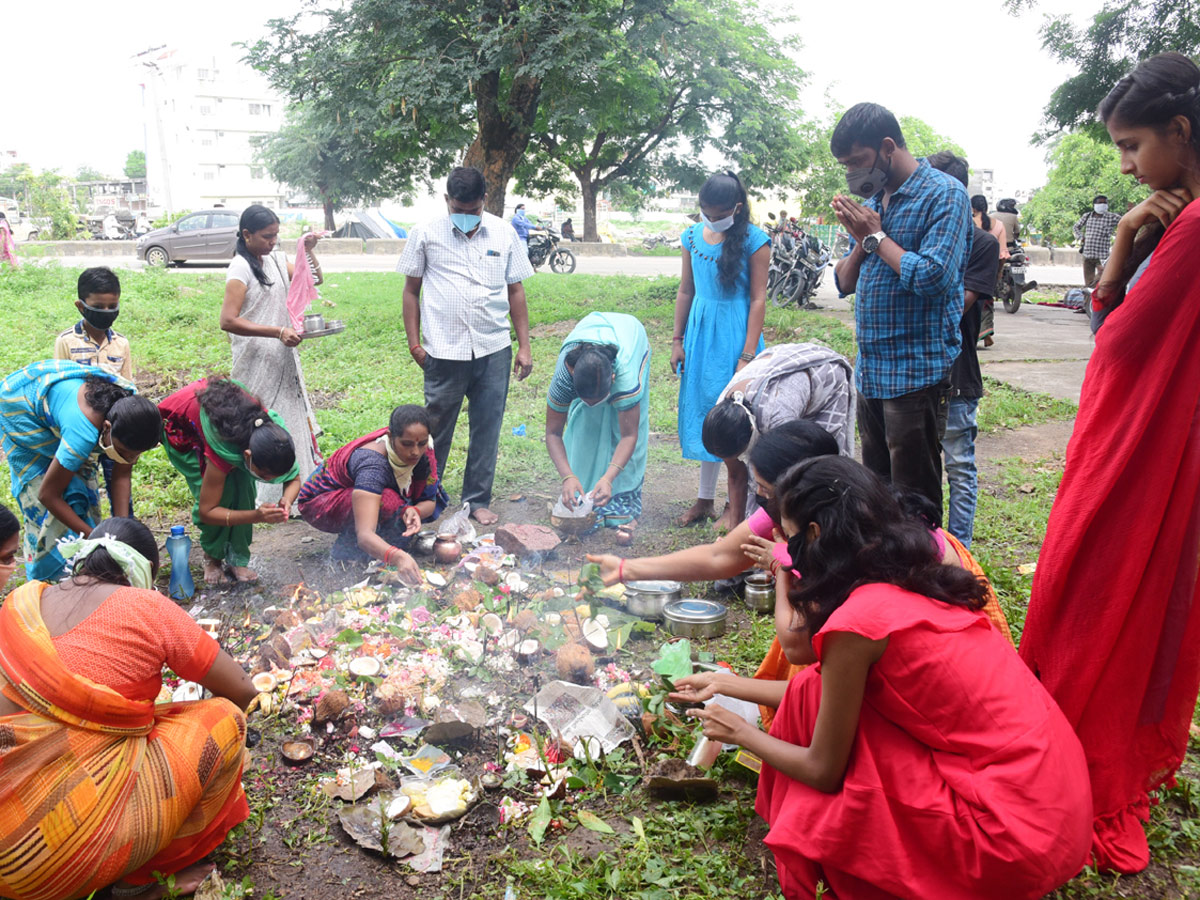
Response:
column 920, row 757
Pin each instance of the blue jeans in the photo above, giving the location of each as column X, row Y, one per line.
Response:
column 959, row 448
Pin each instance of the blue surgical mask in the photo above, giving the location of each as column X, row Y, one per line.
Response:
column 465, row 222
column 719, row 225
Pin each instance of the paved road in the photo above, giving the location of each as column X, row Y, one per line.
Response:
column 1038, row 348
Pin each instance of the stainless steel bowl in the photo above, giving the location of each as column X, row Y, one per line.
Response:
column 760, row 592
column 314, row 322
column 694, row 618
column 647, row 598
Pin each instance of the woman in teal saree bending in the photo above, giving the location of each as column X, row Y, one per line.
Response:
column 597, row 426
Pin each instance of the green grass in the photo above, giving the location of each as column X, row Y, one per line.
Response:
column 1005, row 406
column 358, row 377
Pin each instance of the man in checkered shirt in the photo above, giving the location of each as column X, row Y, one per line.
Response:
column 470, row 265
column 1095, row 229
column 911, row 236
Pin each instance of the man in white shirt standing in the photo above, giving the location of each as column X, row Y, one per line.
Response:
column 471, row 265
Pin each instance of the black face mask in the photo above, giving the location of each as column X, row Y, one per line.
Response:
column 763, row 502
column 795, row 545
column 100, row 318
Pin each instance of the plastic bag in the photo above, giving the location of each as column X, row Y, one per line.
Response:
column 459, row 524
column 583, row 508
column 674, row 659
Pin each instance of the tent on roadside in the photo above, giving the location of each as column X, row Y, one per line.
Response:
column 369, row 224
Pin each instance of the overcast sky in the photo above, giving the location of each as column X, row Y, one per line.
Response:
column 972, row 71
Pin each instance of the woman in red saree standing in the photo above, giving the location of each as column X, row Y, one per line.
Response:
column 98, row 784
column 1113, row 629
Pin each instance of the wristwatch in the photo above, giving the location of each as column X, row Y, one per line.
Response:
column 872, row 241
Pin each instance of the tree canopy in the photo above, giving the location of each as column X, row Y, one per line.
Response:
column 431, row 78
column 1107, row 48
column 674, row 81
column 1081, row 166
column 825, row 177
column 337, row 163
column 135, row 164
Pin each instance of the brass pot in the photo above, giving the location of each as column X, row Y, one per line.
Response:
column 446, row 548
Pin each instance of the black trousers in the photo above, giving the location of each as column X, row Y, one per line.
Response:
column 483, row 382
column 902, row 438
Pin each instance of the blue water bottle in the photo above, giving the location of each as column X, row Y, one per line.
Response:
column 179, row 547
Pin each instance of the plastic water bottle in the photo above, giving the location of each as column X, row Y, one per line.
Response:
column 179, row 547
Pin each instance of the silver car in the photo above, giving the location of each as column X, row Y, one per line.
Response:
column 207, row 234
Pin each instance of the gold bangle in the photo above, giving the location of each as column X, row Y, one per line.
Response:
column 281, row 328
column 568, row 478
column 227, row 512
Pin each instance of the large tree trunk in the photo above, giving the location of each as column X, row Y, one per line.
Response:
column 588, row 189
column 330, row 225
column 504, row 129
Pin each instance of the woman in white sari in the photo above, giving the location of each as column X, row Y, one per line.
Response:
column 255, row 314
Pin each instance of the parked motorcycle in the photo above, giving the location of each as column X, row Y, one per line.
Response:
column 1012, row 284
column 544, row 245
column 799, row 265
column 663, row 240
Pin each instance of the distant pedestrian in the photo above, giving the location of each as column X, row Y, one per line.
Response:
column 966, row 380
column 568, row 230
column 719, row 313
column 1094, row 231
column 8, row 246
column 911, row 239
column 463, row 284
column 994, row 227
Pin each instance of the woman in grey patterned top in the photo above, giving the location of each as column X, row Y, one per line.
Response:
column 783, row 383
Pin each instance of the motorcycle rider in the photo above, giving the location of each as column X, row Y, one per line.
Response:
column 522, row 223
column 1006, row 214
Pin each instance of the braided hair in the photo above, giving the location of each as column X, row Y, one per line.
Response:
column 1158, row 90
column 725, row 191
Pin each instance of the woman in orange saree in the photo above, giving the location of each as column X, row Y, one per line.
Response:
column 99, row 785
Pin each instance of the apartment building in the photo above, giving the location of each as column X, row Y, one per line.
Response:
column 202, row 110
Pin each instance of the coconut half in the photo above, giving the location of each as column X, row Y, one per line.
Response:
column 264, row 682
column 595, row 635
column 365, row 666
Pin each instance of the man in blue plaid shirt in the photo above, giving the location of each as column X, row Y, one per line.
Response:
column 912, row 237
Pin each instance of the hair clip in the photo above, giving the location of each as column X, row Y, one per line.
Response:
column 258, row 423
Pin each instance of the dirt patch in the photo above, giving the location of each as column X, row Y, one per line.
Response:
column 1033, row 442
column 326, row 399
column 552, row 329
